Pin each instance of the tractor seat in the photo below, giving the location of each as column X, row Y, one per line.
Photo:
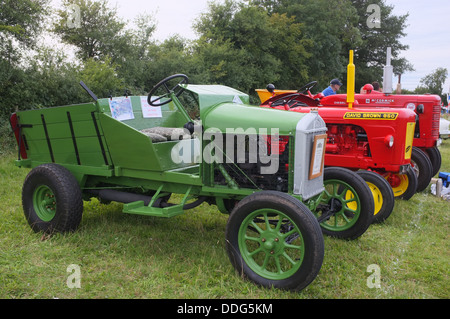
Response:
column 163, row 134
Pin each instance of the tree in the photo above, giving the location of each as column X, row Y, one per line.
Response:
column 97, row 33
column 370, row 53
column 20, row 24
column 329, row 25
column 132, row 67
column 433, row 83
column 22, row 20
column 337, row 26
column 102, row 36
column 242, row 46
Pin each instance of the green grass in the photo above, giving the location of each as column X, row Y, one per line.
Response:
column 128, row 256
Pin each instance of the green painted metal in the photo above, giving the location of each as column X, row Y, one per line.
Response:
column 139, row 208
column 223, row 117
column 100, row 150
column 269, row 250
column 44, row 203
column 53, row 141
column 349, row 205
column 209, row 95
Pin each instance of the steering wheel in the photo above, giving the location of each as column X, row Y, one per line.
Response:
column 307, row 88
column 166, row 91
column 283, row 100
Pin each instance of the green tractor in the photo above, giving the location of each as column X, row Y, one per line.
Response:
column 139, row 150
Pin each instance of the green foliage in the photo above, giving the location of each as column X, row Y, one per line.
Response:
column 20, row 23
column 370, row 55
column 434, row 83
column 329, row 26
column 22, row 20
column 243, row 44
column 236, row 37
column 100, row 76
column 99, row 33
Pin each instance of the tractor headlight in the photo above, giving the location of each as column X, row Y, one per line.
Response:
column 389, row 140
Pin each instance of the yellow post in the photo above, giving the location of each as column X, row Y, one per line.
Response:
column 350, row 81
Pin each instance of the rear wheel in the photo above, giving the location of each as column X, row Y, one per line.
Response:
column 51, row 199
column 346, row 207
column 421, row 165
column 382, row 193
column 274, row 240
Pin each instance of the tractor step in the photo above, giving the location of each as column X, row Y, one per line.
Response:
column 139, row 208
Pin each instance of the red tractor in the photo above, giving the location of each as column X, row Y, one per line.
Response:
column 426, row 158
column 427, row 107
column 362, row 138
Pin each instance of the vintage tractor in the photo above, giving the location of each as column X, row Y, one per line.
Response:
column 364, row 139
column 378, row 140
column 141, row 150
column 426, row 106
column 426, row 158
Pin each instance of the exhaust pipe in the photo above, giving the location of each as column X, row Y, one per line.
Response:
column 121, row 197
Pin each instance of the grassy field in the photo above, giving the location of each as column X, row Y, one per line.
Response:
column 128, row 256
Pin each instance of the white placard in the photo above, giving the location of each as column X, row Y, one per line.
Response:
column 148, row 110
column 121, row 108
column 317, row 155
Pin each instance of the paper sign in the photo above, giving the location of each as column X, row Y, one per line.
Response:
column 121, row 108
column 148, row 110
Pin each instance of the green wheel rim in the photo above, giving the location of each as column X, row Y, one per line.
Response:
column 271, row 244
column 346, row 202
column 44, row 203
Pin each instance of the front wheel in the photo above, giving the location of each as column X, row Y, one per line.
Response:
column 382, row 193
column 275, row 241
column 403, row 185
column 51, row 199
column 346, row 207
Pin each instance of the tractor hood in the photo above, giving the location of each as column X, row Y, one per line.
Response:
column 209, row 95
column 232, row 115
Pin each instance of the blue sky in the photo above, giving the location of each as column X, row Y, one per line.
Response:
column 428, row 30
column 428, row 35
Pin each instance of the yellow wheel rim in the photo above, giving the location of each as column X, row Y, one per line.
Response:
column 401, row 188
column 352, row 205
column 377, row 198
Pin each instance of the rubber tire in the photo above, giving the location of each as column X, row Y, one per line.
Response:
column 67, row 196
column 435, row 157
column 365, row 197
column 303, row 219
column 423, row 168
column 386, row 192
